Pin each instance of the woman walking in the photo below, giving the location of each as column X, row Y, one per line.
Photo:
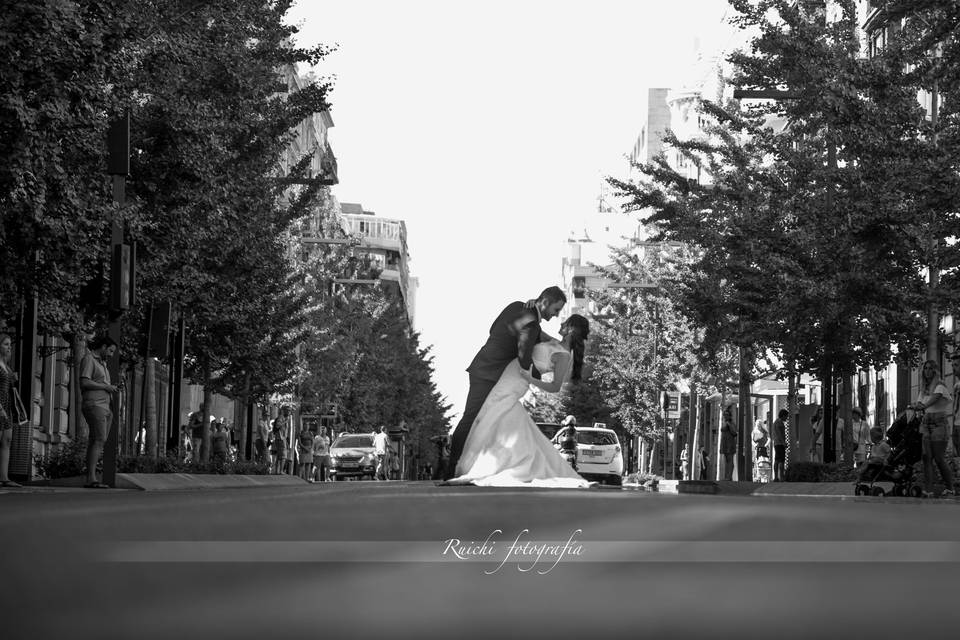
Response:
column 7, row 380
column 936, row 403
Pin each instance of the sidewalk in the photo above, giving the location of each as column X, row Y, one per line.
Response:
column 730, row 487
column 172, row 482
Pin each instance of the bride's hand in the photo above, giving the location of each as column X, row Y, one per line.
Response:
column 526, row 375
column 530, row 304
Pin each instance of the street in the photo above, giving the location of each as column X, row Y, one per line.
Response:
column 359, row 559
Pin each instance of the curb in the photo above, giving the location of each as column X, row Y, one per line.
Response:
column 181, row 481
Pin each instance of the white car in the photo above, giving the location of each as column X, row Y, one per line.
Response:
column 598, row 454
column 352, row 456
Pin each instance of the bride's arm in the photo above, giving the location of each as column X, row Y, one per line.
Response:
column 561, row 362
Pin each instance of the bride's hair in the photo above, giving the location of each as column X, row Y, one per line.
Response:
column 581, row 329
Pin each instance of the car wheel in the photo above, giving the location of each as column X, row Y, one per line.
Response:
column 878, row 491
column 916, row 491
column 616, row 481
column 859, row 490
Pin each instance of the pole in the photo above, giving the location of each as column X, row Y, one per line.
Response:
column 743, row 429
column 118, row 166
column 933, row 315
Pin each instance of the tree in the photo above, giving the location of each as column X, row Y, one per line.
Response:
column 60, row 61
column 813, row 259
column 210, row 125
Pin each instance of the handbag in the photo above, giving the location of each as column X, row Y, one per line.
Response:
column 22, row 418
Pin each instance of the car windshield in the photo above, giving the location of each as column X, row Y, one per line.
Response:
column 596, row 437
column 353, row 441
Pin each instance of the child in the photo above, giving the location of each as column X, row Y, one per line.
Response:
column 879, row 453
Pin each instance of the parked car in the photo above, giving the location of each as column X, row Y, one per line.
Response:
column 598, row 454
column 352, row 456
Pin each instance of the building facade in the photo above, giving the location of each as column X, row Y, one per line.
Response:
column 383, row 241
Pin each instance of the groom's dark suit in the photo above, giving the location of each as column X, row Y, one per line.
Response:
column 503, row 345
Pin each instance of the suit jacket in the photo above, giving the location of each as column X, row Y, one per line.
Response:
column 503, row 344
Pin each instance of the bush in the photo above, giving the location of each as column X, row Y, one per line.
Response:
column 70, row 459
column 819, row 472
column 642, row 478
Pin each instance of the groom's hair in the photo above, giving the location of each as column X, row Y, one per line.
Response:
column 553, row 294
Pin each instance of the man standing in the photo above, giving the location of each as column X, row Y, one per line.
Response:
column 321, row 456
column 860, row 437
column 305, row 453
column 778, row 435
column 512, row 335
column 196, row 432
column 380, row 450
column 96, row 394
column 728, row 442
column 260, row 440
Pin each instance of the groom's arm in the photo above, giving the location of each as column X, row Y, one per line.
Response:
column 525, row 325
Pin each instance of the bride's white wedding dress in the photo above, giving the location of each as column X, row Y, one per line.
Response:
column 504, row 447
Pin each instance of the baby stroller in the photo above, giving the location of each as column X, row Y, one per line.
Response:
column 906, row 449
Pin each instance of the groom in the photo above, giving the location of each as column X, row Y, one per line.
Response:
column 512, row 335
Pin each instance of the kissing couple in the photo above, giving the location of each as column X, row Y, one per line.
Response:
column 496, row 443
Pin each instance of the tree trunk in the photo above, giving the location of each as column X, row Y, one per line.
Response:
column 846, row 413
column 826, row 380
column 692, row 433
column 244, row 424
column 744, row 428
column 205, row 425
column 716, row 449
column 150, row 398
column 793, row 421
column 82, row 431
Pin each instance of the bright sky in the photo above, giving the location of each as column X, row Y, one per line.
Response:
column 487, row 127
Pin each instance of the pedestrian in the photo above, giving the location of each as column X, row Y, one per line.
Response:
column 186, row 444
column 321, row 456
column 703, row 459
column 955, row 431
column 220, row 443
column 195, row 422
column 305, row 452
column 8, row 379
column 728, row 442
column 260, row 441
column 859, row 437
column 760, row 438
column 879, row 453
column 380, row 451
column 816, row 436
column 278, row 447
column 443, row 455
column 96, row 393
column 778, row 435
column 936, row 403
column 289, row 438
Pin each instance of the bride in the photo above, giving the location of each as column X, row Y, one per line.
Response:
column 504, row 447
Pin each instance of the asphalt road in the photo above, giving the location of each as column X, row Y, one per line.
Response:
column 412, row 560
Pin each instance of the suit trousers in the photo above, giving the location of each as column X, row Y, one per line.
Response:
column 479, row 390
